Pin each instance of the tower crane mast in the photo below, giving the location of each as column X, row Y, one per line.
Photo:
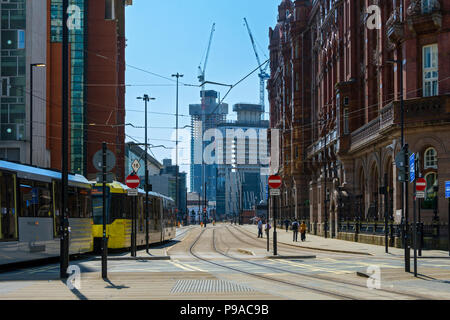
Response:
column 263, row 76
column 201, row 71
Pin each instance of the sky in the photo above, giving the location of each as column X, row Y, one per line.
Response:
column 165, row 37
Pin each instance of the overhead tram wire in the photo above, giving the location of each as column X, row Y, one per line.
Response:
column 58, row 124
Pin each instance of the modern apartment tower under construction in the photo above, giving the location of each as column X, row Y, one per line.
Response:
column 211, row 114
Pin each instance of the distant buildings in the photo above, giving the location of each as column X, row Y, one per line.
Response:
column 242, row 174
column 162, row 177
column 213, row 114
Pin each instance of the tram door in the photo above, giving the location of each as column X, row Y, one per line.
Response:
column 8, row 209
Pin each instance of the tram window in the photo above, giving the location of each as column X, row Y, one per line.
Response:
column 97, row 209
column 129, row 207
column 141, row 214
column 73, row 203
column 27, row 198
column 8, row 210
column 117, row 206
column 44, row 204
column 84, row 196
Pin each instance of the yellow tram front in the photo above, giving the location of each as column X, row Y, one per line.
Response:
column 118, row 215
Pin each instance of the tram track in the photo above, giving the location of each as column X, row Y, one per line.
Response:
column 256, row 275
column 319, row 277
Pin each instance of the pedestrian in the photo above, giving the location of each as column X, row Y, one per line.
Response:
column 268, row 227
column 260, row 226
column 303, row 231
column 287, row 222
column 295, row 226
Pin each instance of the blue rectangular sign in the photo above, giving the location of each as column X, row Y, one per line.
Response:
column 412, row 171
column 447, row 189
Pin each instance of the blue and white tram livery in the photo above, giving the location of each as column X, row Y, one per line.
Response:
column 30, row 200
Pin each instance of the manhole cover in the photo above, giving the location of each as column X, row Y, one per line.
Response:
column 207, row 286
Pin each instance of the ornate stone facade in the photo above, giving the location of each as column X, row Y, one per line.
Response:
column 335, row 92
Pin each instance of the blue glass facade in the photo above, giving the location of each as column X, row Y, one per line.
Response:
column 77, row 39
column 13, row 75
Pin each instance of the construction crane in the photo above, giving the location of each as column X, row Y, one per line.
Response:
column 201, row 71
column 263, row 76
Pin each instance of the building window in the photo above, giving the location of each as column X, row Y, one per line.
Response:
column 430, row 193
column 430, row 158
column 20, row 39
column 109, row 10
column 4, row 90
column 10, row 154
column 346, row 123
column 430, row 70
column 427, row 6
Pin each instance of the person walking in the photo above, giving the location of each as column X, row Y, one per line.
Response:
column 260, row 226
column 287, row 222
column 303, row 231
column 295, row 226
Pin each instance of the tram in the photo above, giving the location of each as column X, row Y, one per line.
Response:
column 30, row 213
column 119, row 209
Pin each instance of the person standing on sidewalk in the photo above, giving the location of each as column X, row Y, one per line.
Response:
column 260, row 226
column 303, row 231
column 295, row 226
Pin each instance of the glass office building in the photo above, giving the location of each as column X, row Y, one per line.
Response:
column 13, row 77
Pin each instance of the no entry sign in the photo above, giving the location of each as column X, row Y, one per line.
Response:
column 421, row 184
column 274, row 182
column 132, row 181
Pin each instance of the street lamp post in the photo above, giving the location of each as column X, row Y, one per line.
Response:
column 146, row 99
column 39, row 65
column 178, row 76
column 404, row 185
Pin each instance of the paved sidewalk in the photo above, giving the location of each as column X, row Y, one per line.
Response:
column 336, row 245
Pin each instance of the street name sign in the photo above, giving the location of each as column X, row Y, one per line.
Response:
column 420, row 194
column 412, row 168
column 132, row 192
column 275, row 192
column 447, row 189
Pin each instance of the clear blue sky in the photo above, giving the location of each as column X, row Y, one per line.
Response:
column 166, row 37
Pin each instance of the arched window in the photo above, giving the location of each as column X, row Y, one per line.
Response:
column 430, row 158
column 431, row 179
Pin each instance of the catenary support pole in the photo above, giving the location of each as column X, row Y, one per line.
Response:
column 104, row 238
column 64, row 245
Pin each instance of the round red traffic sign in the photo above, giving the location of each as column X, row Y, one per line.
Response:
column 421, row 184
column 274, row 182
column 132, row 181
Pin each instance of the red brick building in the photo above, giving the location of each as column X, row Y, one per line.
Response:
column 96, row 90
column 335, row 96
